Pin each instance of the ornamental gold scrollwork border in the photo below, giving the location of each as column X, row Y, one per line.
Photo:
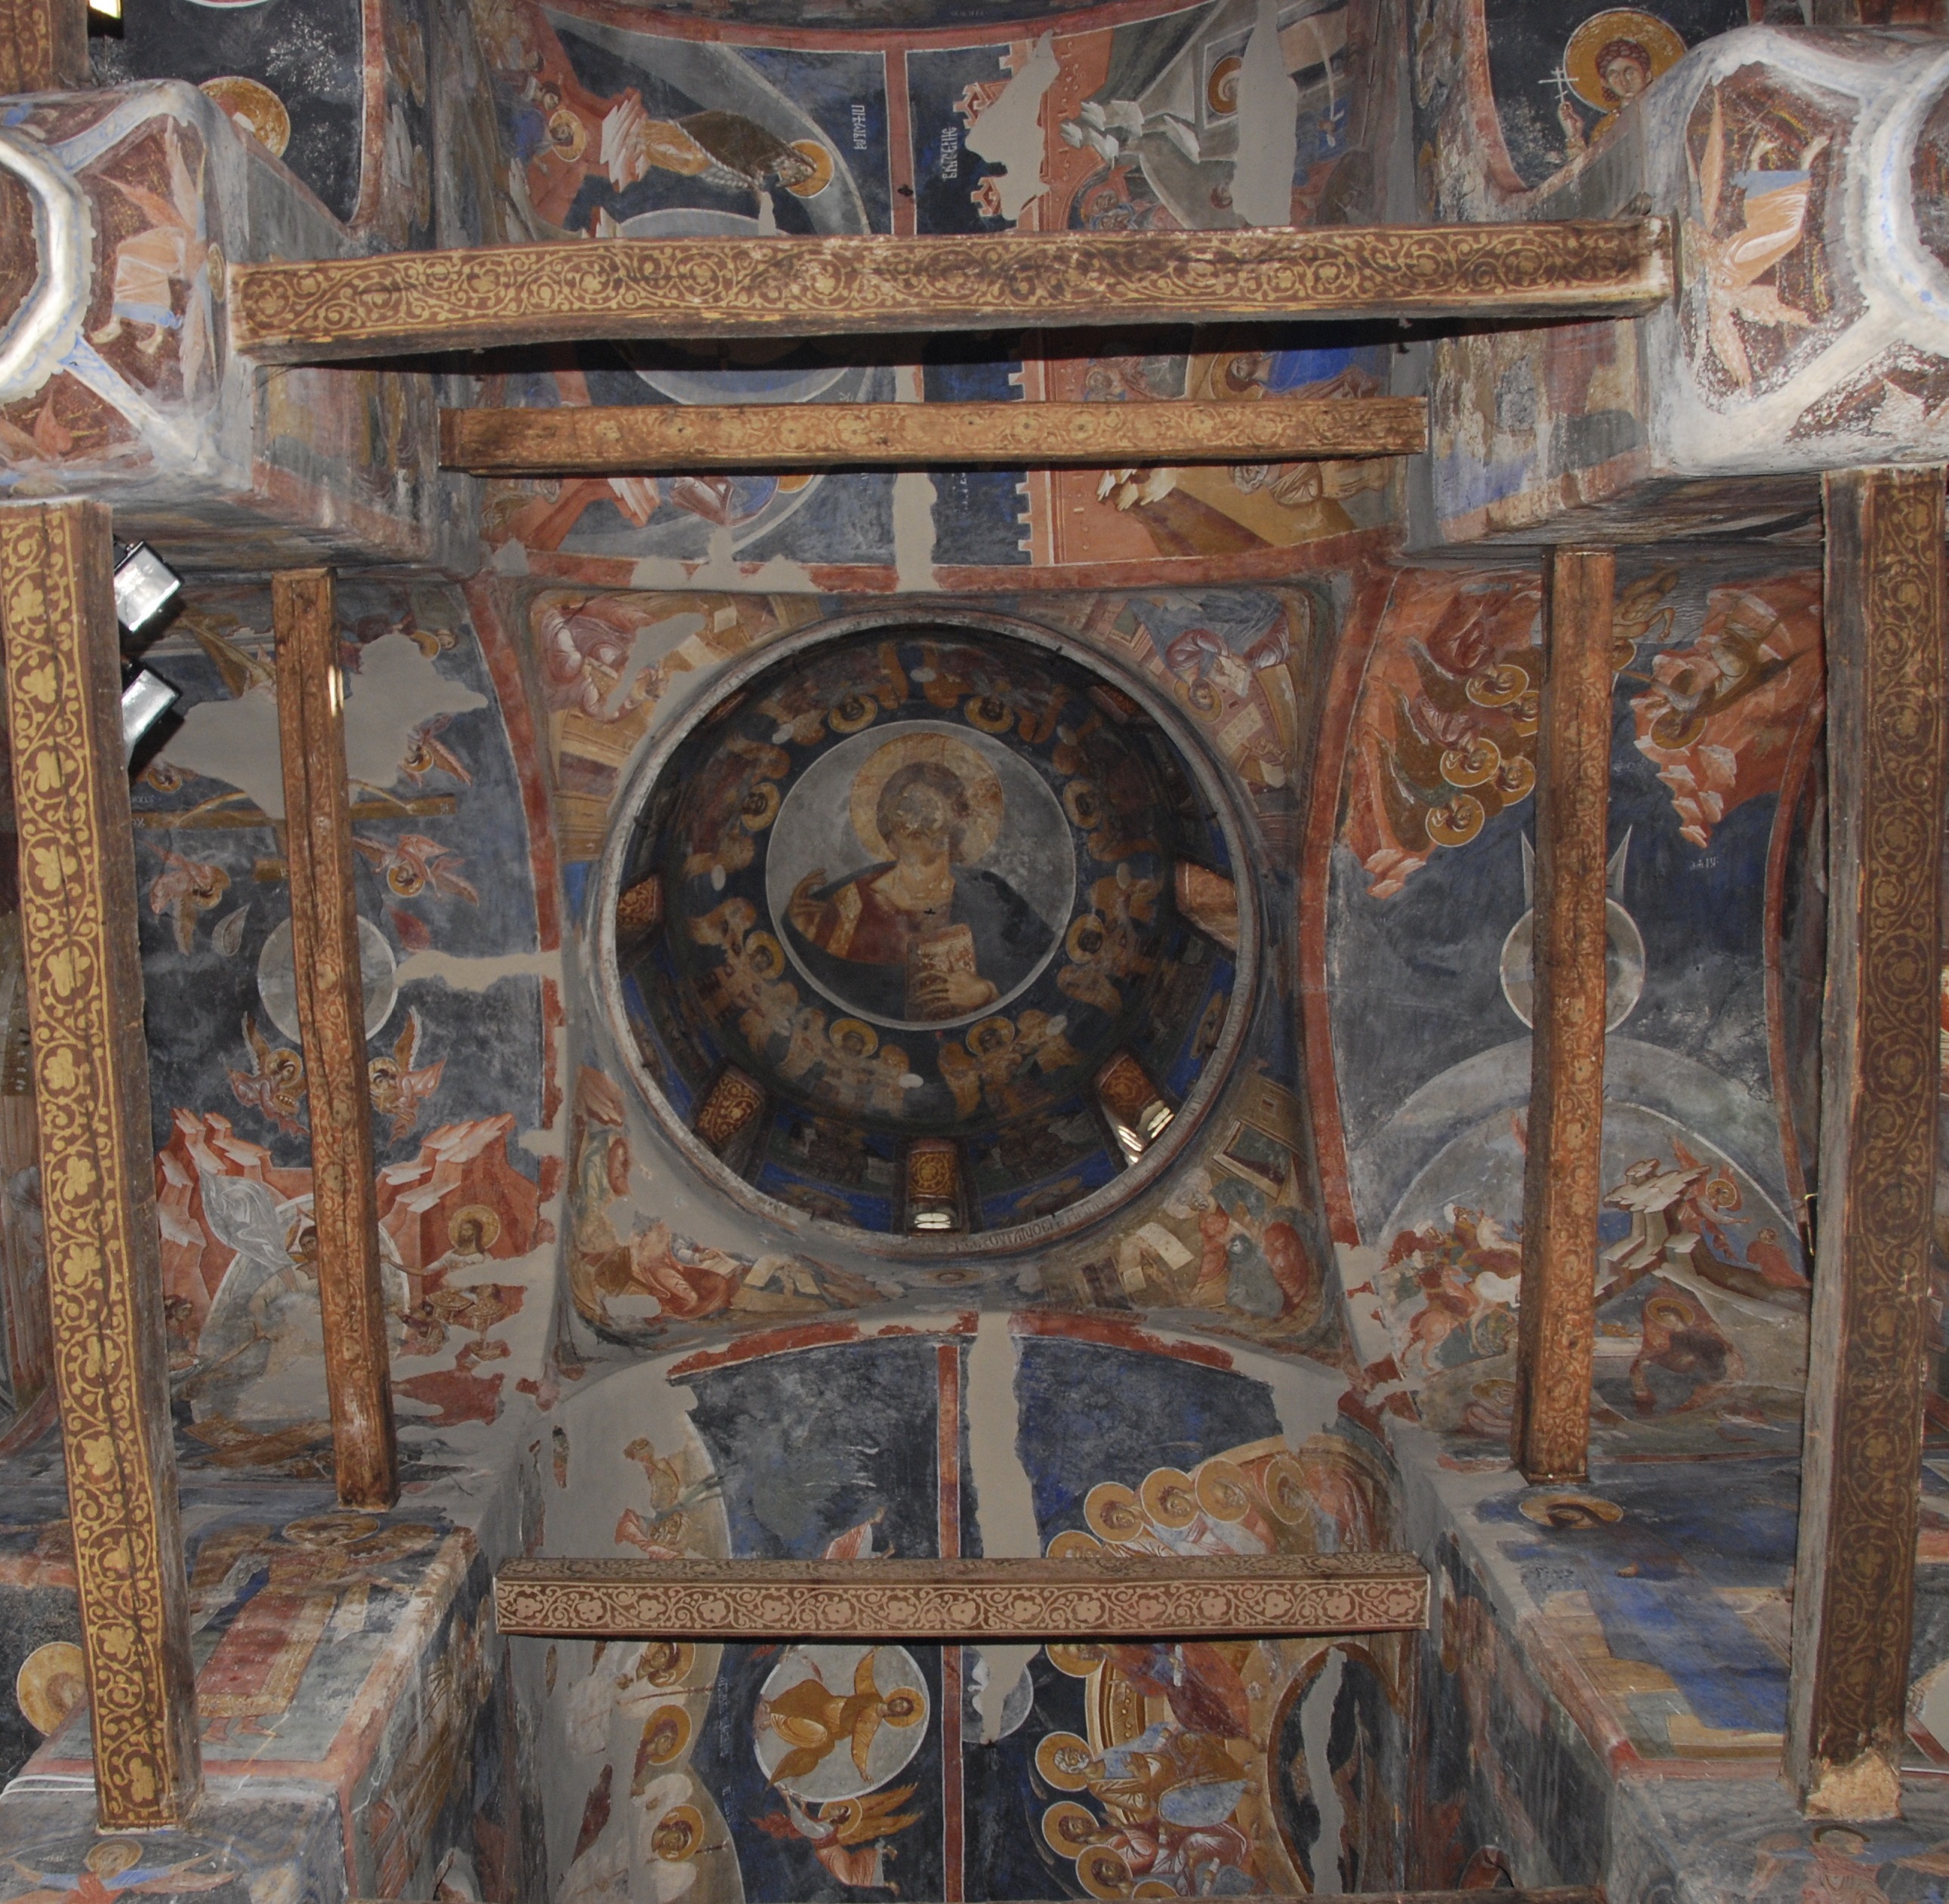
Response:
column 946, row 1601
column 91, row 1069
column 401, row 302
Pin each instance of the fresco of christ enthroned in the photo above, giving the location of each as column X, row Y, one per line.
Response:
column 925, row 933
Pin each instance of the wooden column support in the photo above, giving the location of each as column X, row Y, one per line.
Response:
column 84, row 978
column 1107, row 1596
column 1562, row 1176
column 397, row 302
column 331, row 1016
column 1860, row 1476
column 640, row 439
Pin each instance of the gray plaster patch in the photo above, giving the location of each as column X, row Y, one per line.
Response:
column 1009, row 133
column 1004, row 1501
column 397, row 691
column 1268, row 127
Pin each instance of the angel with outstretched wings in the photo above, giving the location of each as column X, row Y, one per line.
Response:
column 274, row 1085
column 848, row 1835
column 398, row 1089
column 412, row 863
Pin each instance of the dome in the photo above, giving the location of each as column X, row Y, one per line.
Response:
column 929, row 930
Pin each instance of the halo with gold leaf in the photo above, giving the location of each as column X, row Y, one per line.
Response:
column 818, row 155
column 1661, row 46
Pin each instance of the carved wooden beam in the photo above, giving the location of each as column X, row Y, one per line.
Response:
column 962, row 1599
column 401, row 302
column 1860, row 1477
column 84, row 978
column 331, row 1017
column 641, row 438
column 1562, row 1179
column 43, row 46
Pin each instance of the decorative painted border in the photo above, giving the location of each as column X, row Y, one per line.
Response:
column 963, row 1599
column 91, row 1082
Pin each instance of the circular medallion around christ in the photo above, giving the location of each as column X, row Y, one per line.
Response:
column 933, row 932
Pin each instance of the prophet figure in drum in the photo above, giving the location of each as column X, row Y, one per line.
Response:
column 925, row 933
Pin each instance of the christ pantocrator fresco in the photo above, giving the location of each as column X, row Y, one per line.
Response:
column 925, row 932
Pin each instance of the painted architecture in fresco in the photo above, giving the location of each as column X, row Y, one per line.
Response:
column 975, row 1011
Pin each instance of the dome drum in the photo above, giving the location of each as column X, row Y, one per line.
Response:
column 930, row 932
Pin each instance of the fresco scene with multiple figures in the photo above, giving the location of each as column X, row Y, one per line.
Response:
column 900, row 933
column 1318, row 1032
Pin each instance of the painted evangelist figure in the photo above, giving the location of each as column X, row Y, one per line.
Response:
column 925, row 933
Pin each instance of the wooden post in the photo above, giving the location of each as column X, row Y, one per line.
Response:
column 84, row 978
column 43, row 46
column 332, row 1018
column 1561, row 1180
column 1860, row 1475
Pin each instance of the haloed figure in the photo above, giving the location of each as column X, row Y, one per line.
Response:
column 924, row 933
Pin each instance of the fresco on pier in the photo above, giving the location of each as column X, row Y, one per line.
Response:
column 340, row 93
column 1658, row 1614
column 350, row 1652
column 1702, row 1286
column 142, row 370
column 1506, row 95
column 812, row 1770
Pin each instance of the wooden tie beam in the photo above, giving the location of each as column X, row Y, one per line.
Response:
column 962, row 1600
column 1861, row 1471
column 332, row 1018
column 641, row 440
column 1562, row 1181
column 399, row 302
column 84, row 978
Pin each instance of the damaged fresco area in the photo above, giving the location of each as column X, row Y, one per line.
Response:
column 460, row 1000
column 1702, row 1293
column 347, row 1665
column 817, row 1770
column 1208, row 117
